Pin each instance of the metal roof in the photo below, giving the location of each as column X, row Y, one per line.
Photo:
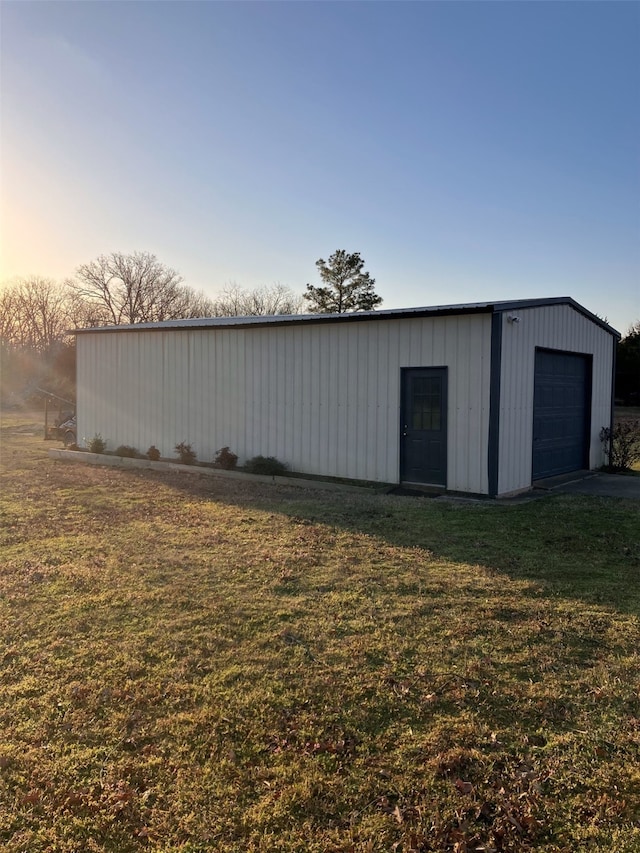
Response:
column 359, row 316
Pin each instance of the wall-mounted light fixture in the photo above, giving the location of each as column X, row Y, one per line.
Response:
column 513, row 318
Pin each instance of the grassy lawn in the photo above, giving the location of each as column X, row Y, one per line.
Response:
column 191, row 664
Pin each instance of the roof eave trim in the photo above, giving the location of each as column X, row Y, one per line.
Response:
column 290, row 320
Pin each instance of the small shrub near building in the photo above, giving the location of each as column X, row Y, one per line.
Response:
column 622, row 444
column 186, row 453
column 153, row 453
column 266, row 465
column 226, row 458
column 127, row 451
column 97, row 444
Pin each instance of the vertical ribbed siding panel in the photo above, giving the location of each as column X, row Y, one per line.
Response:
column 369, row 433
column 456, row 445
column 169, row 399
column 471, row 401
column 354, row 343
column 242, row 411
column 146, row 400
column 215, row 390
column 261, row 431
column 194, row 415
column 391, row 469
column 362, row 380
column 245, row 434
column 206, row 383
column 179, row 383
column 173, row 390
column 277, row 419
column 182, row 371
column 353, row 394
column 151, row 368
column 106, row 423
column 460, row 402
column 286, row 413
column 469, row 381
column 167, row 423
column 273, row 389
column 254, row 400
column 85, row 402
column 303, row 367
column 226, row 381
column 153, row 387
column 126, row 422
column 311, row 454
column 420, row 345
column 107, row 357
column 298, row 398
column 340, row 404
column 328, row 367
column 384, row 378
column 558, row 327
column 479, row 385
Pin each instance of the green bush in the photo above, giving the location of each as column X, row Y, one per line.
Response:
column 186, row 453
column 97, row 444
column 153, row 453
column 127, row 451
column 225, row 458
column 622, row 446
column 265, row 465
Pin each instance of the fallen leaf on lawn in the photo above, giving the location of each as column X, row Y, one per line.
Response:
column 463, row 787
column 31, row 798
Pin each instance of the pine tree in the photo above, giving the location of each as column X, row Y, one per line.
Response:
column 345, row 286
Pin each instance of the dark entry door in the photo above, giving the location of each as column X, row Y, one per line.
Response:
column 561, row 405
column 423, row 449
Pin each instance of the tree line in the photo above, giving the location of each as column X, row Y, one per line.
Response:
column 628, row 367
column 37, row 314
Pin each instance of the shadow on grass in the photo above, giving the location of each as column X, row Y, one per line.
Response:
column 577, row 547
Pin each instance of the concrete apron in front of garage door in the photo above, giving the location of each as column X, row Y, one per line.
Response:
column 593, row 483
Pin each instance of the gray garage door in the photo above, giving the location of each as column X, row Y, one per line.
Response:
column 561, row 411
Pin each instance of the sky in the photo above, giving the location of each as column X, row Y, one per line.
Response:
column 470, row 151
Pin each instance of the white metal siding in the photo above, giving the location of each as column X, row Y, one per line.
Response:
column 558, row 327
column 323, row 398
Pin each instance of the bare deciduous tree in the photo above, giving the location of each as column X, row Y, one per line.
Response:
column 34, row 314
column 35, row 348
column 136, row 288
column 84, row 313
column 235, row 301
